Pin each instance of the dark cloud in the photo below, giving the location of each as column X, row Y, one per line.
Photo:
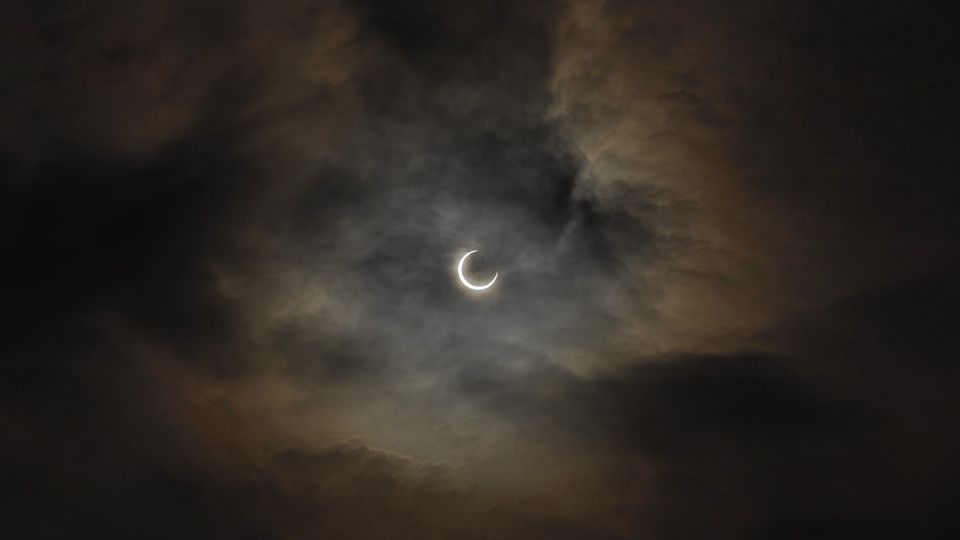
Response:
column 725, row 239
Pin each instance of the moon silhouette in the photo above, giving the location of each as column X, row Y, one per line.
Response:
column 464, row 279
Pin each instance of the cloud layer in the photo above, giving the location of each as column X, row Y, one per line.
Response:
column 725, row 239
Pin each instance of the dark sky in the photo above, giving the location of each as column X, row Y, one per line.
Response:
column 726, row 236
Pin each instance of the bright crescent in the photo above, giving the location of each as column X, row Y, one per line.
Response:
column 464, row 279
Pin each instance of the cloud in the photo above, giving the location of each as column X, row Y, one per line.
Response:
column 229, row 234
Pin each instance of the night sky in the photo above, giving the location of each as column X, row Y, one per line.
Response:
column 726, row 234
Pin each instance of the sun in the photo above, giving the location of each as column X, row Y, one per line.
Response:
column 466, row 282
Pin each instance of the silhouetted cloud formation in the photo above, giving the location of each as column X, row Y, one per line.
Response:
column 725, row 238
